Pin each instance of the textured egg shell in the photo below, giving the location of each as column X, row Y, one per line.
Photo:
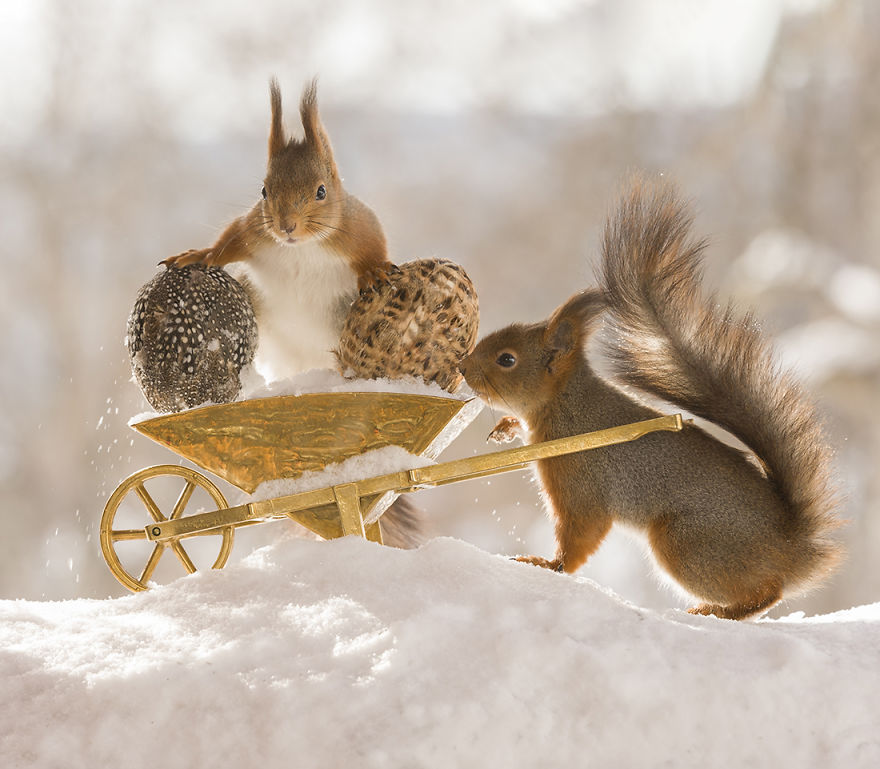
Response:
column 191, row 332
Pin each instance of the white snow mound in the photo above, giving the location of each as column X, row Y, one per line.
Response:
column 346, row 653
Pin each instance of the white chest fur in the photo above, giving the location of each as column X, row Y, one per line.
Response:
column 301, row 295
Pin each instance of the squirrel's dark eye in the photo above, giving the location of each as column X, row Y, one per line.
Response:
column 321, row 193
column 506, row 360
column 263, row 192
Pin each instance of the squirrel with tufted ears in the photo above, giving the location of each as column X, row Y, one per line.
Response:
column 738, row 530
column 302, row 254
column 303, row 251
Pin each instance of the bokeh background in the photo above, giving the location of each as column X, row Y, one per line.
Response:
column 496, row 134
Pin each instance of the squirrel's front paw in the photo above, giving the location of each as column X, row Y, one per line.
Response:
column 373, row 277
column 507, row 430
column 189, row 257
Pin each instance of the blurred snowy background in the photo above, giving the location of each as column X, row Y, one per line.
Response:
column 495, row 134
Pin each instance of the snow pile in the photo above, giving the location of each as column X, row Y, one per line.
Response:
column 346, row 653
column 330, row 381
column 253, row 386
column 390, row 459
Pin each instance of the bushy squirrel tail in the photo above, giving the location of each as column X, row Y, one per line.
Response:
column 681, row 346
column 403, row 524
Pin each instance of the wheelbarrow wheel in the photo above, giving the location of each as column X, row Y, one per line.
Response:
column 136, row 484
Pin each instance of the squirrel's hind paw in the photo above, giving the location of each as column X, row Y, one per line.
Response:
column 754, row 606
column 536, row 560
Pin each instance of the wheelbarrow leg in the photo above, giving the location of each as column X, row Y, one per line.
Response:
column 374, row 532
column 348, row 501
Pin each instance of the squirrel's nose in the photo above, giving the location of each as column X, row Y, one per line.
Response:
column 290, row 229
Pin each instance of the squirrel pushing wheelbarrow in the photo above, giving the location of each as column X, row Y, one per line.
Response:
column 252, row 441
column 737, row 529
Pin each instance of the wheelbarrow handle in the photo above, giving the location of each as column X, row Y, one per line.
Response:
column 344, row 500
column 517, row 458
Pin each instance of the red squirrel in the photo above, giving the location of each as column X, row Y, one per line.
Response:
column 738, row 530
column 303, row 251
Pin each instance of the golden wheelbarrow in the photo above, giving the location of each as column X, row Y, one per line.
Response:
column 249, row 442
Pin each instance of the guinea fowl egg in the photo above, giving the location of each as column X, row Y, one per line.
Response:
column 191, row 332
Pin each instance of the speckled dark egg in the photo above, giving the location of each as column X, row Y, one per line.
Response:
column 422, row 323
column 191, row 332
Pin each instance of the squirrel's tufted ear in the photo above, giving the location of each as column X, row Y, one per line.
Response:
column 571, row 325
column 315, row 134
column 277, row 138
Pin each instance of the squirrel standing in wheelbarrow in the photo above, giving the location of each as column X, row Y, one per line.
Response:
column 738, row 530
column 313, row 261
column 304, row 249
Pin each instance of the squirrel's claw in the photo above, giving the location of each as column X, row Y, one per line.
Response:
column 507, row 430
column 374, row 277
column 189, row 257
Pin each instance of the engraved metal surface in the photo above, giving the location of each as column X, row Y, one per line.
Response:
column 320, row 509
column 257, row 440
column 136, row 483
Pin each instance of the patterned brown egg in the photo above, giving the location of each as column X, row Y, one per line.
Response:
column 420, row 324
column 191, row 332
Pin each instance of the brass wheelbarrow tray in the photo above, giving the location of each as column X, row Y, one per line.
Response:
column 249, row 442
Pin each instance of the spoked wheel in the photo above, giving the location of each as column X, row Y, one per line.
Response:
column 135, row 483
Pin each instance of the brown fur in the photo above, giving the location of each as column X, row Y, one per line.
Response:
column 737, row 533
column 296, row 169
column 344, row 226
column 403, row 524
